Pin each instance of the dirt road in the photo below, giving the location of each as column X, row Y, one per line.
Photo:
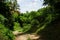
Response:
column 27, row 36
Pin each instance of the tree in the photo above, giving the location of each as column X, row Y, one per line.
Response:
column 53, row 3
column 6, row 8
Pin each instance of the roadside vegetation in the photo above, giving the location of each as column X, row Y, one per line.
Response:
column 44, row 21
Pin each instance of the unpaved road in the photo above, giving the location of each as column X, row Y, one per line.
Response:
column 21, row 36
column 26, row 37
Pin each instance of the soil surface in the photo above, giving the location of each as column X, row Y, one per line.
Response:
column 20, row 36
column 27, row 37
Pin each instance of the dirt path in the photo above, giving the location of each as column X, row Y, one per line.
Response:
column 20, row 36
column 27, row 36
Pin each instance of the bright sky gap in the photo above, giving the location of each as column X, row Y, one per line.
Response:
column 30, row 5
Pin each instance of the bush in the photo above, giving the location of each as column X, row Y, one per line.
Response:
column 5, row 34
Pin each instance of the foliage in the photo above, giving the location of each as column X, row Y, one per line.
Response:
column 30, row 22
column 38, row 19
column 5, row 34
column 17, row 27
column 6, row 20
column 55, row 4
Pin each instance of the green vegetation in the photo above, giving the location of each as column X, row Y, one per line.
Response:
column 44, row 21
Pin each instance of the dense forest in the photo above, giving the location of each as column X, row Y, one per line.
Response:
column 45, row 21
